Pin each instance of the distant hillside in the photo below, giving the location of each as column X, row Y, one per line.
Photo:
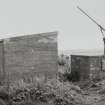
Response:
column 92, row 52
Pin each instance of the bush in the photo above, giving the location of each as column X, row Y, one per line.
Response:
column 74, row 76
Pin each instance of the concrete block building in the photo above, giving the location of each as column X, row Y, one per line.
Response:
column 87, row 67
column 29, row 55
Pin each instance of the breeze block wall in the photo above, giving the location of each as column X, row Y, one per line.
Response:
column 88, row 67
column 95, row 66
column 80, row 65
column 30, row 55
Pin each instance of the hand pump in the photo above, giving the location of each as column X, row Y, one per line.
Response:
column 101, row 28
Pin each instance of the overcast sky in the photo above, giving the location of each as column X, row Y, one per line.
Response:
column 76, row 31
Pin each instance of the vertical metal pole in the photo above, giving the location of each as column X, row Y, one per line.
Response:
column 103, row 57
column 104, row 45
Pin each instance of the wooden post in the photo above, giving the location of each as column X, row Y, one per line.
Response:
column 2, row 60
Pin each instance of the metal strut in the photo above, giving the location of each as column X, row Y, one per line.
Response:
column 101, row 28
column 102, row 31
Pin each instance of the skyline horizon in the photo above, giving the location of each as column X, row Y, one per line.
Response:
column 76, row 31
